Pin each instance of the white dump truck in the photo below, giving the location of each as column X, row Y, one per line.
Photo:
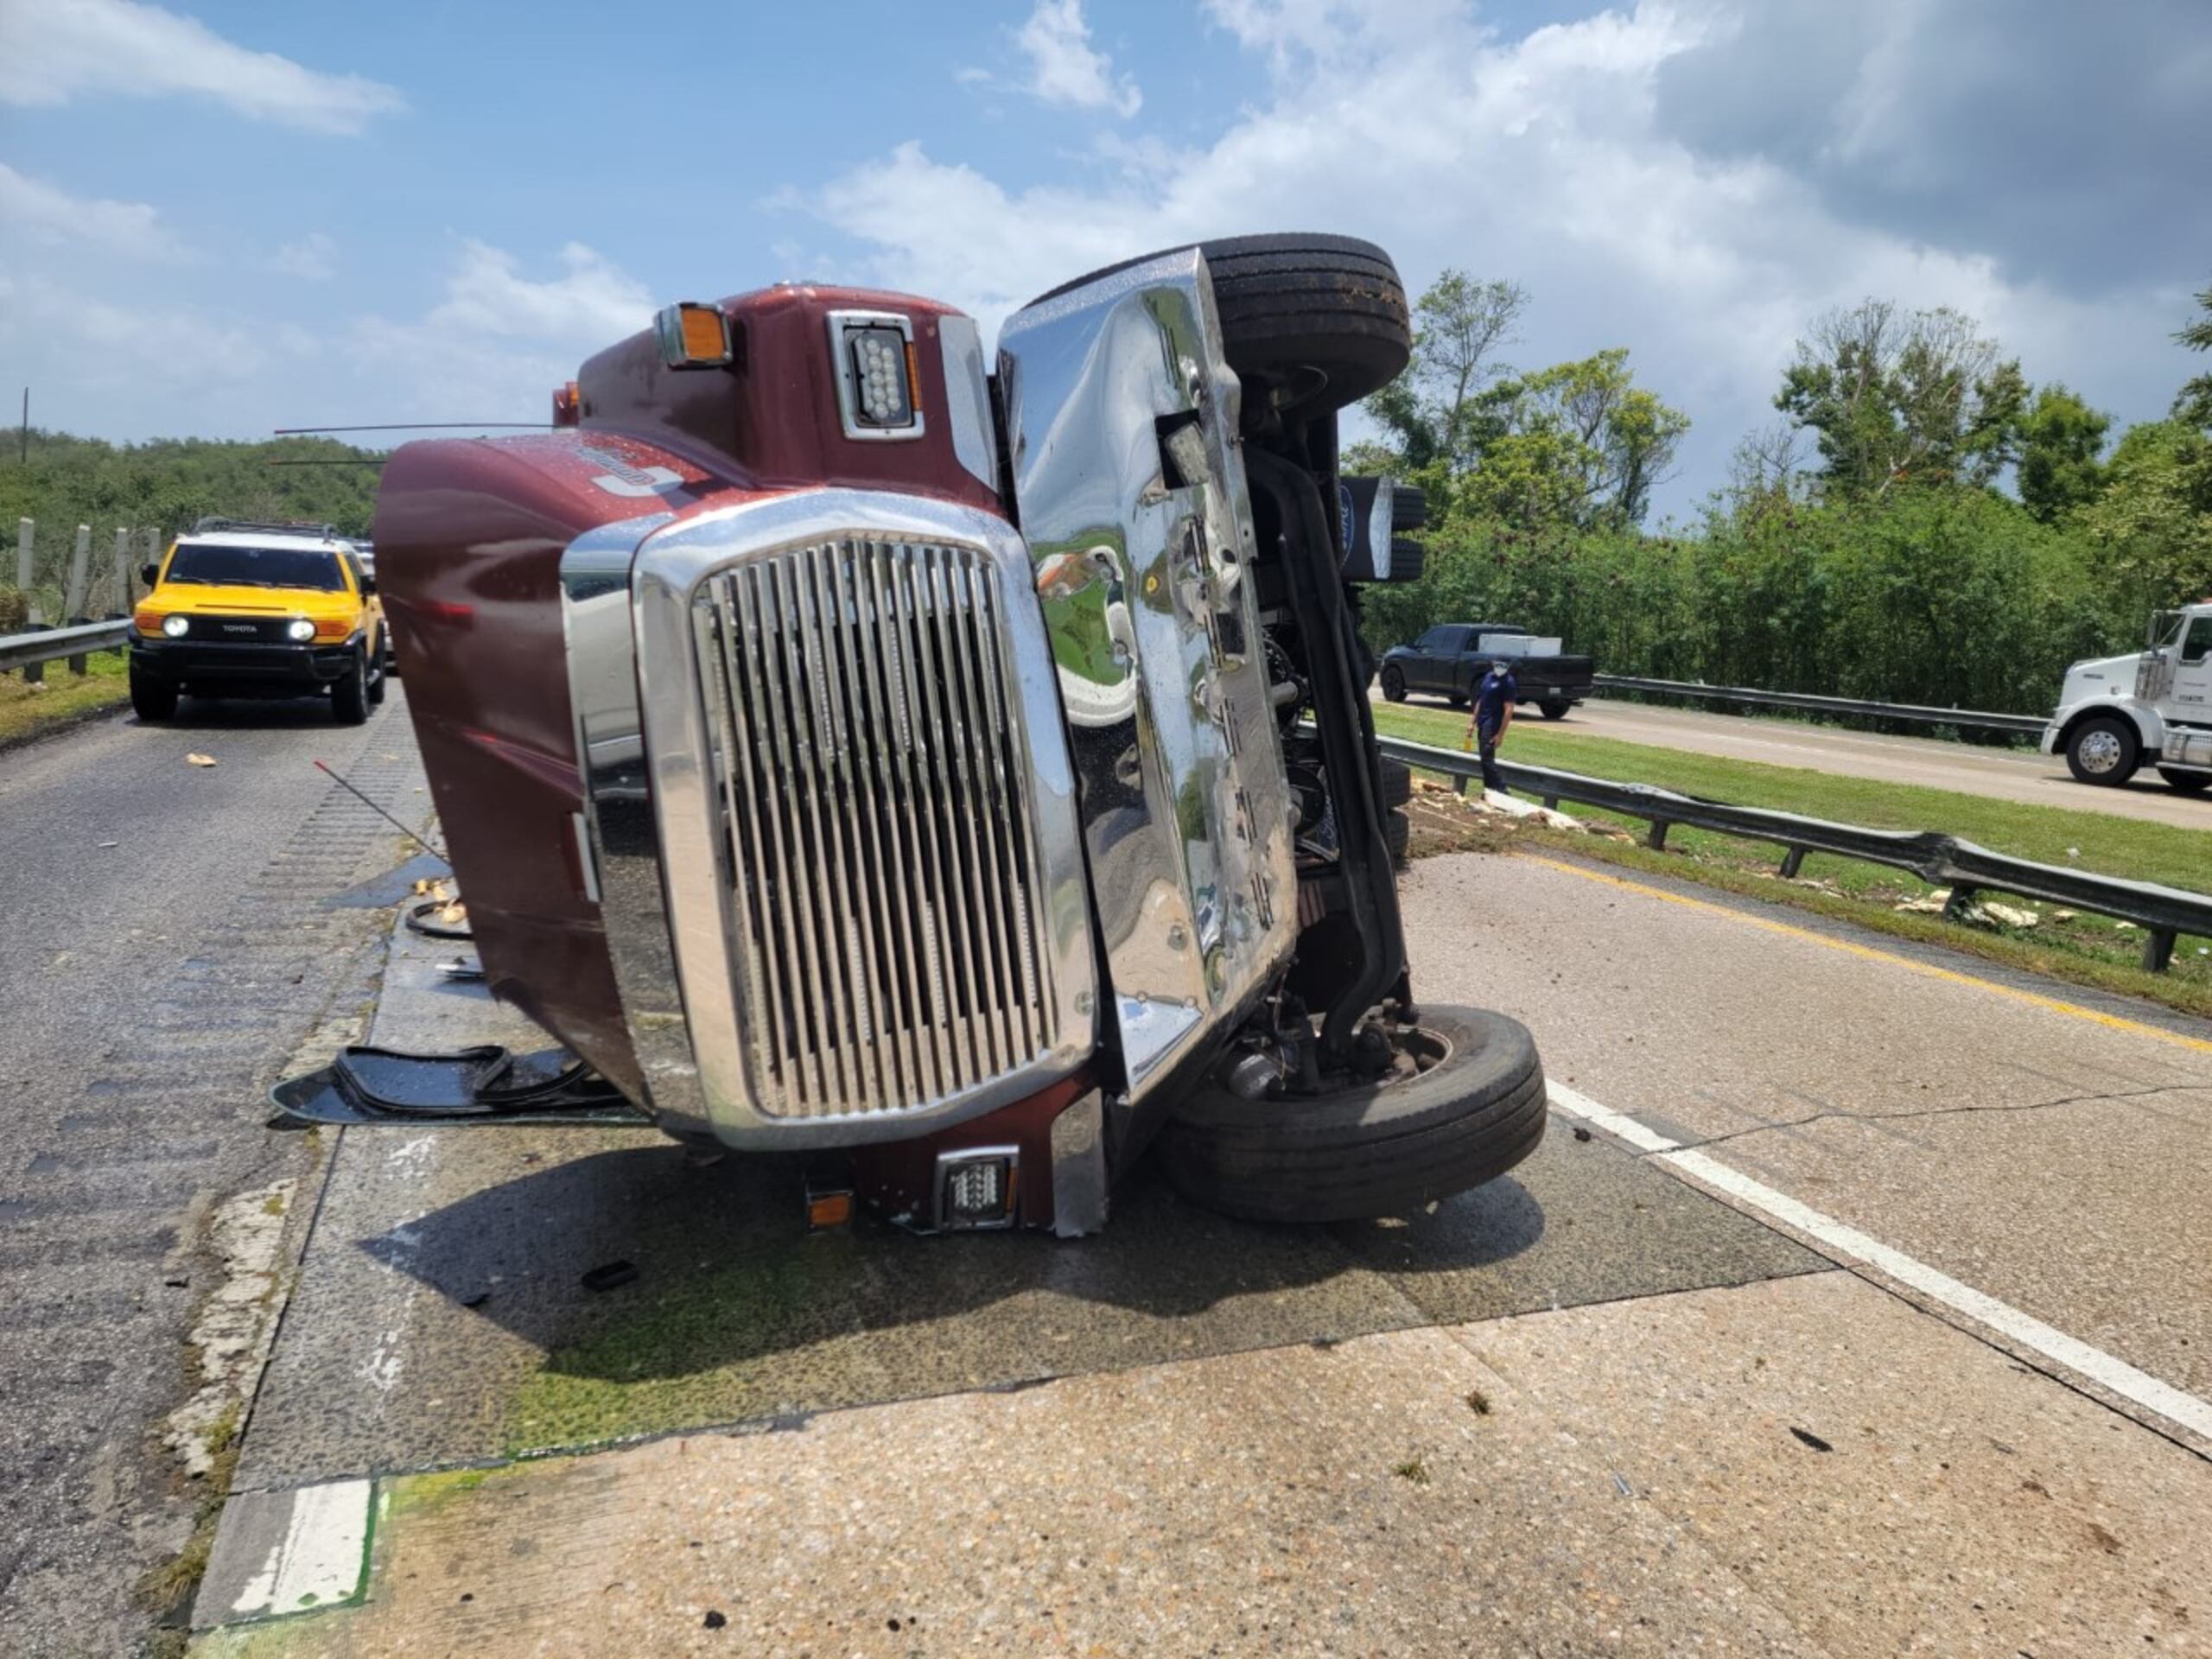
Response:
column 2117, row 713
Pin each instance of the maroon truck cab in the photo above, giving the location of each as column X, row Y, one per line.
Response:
column 848, row 747
column 470, row 534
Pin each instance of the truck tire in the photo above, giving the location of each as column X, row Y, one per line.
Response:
column 1408, row 558
column 1393, row 683
column 1379, row 1149
column 349, row 695
column 1398, row 837
column 152, row 699
column 1408, row 506
column 379, row 678
column 2103, row 750
column 1397, row 781
column 1552, row 709
column 1319, row 321
column 2190, row 783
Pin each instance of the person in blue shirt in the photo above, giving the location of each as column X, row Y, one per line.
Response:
column 1493, row 715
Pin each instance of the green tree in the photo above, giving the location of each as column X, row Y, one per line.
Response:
column 1580, row 443
column 2061, row 437
column 1895, row 397
column 2154, row 519
column 1433, row 410
column 2194, row 406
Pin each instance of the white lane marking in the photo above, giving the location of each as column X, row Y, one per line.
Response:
column 318, row 1560
column 1603, row 1117
column 2117, row 1376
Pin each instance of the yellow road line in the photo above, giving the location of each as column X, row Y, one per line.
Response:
column 2073, row 1010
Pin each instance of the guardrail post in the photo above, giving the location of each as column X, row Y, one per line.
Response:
column 122, row 595
column 1459, row 785
column 1955, row 907
column 1656, row 838
column 26, row 548
column 72, row 607
column 2158, row 950
column 80, row 563
column 1551, row 802
column 1793, row 860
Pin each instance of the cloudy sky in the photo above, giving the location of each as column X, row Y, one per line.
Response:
column 238, row 217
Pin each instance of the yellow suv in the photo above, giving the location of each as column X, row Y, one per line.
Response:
column 253, row 610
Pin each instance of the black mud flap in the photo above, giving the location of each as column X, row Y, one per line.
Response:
column 484, row 1085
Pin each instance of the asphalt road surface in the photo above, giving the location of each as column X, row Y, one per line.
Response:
column 164, row 954
column 2002, row 774
column 1857, row 1301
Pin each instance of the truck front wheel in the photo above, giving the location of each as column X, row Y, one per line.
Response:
column 2103, row 750
column 1466, row 1104
column 1393, row 683
column 349, row 697
column 1554, row 708
column 152, row 699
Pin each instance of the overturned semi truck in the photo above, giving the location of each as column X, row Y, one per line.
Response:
column 852, row 743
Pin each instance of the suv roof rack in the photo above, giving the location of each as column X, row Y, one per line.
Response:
column 288, row 526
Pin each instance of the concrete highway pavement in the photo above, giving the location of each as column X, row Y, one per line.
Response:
column 2002, row 774
column 164, row 955
column 1616, row 1402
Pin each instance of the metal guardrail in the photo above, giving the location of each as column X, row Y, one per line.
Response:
column 1807, row 701
column 1940, row 860
column 51, row 645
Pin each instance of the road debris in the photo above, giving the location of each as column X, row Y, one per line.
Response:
column 1808, row 1438
column 610, row 1275
column 196, row 759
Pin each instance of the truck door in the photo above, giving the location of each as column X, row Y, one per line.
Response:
column 1431, row 668
column 1469, row 665
column 2190, row 699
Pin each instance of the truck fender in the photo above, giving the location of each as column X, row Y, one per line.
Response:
column 2148, row 726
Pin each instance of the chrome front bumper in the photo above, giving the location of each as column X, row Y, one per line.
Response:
column 1129, row 472
column 832, row 816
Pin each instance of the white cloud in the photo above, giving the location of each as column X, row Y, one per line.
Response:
column 308, row 257
column 1064, row 68
column 52, row 51
column 498, row 342
column 40, row 213
column 200, row 355
column 1541, row 159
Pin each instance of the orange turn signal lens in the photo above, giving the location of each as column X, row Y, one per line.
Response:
column 829, row 1209
column 693, row 336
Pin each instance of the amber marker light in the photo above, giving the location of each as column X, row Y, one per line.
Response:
column 693, row 336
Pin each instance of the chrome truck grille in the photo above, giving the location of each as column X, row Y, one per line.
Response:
column 875, row 819
column 830, row 816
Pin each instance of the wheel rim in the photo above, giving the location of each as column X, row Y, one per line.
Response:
column 2100, row 751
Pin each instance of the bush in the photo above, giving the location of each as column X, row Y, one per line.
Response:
column 1939, row 595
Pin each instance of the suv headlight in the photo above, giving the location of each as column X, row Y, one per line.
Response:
column 175, row 626
column 300, row 628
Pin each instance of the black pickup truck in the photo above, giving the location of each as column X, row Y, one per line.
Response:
column 1448, row 660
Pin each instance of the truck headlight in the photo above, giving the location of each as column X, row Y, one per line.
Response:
column 300, row 628
column 879, row 384
column 175, row 627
